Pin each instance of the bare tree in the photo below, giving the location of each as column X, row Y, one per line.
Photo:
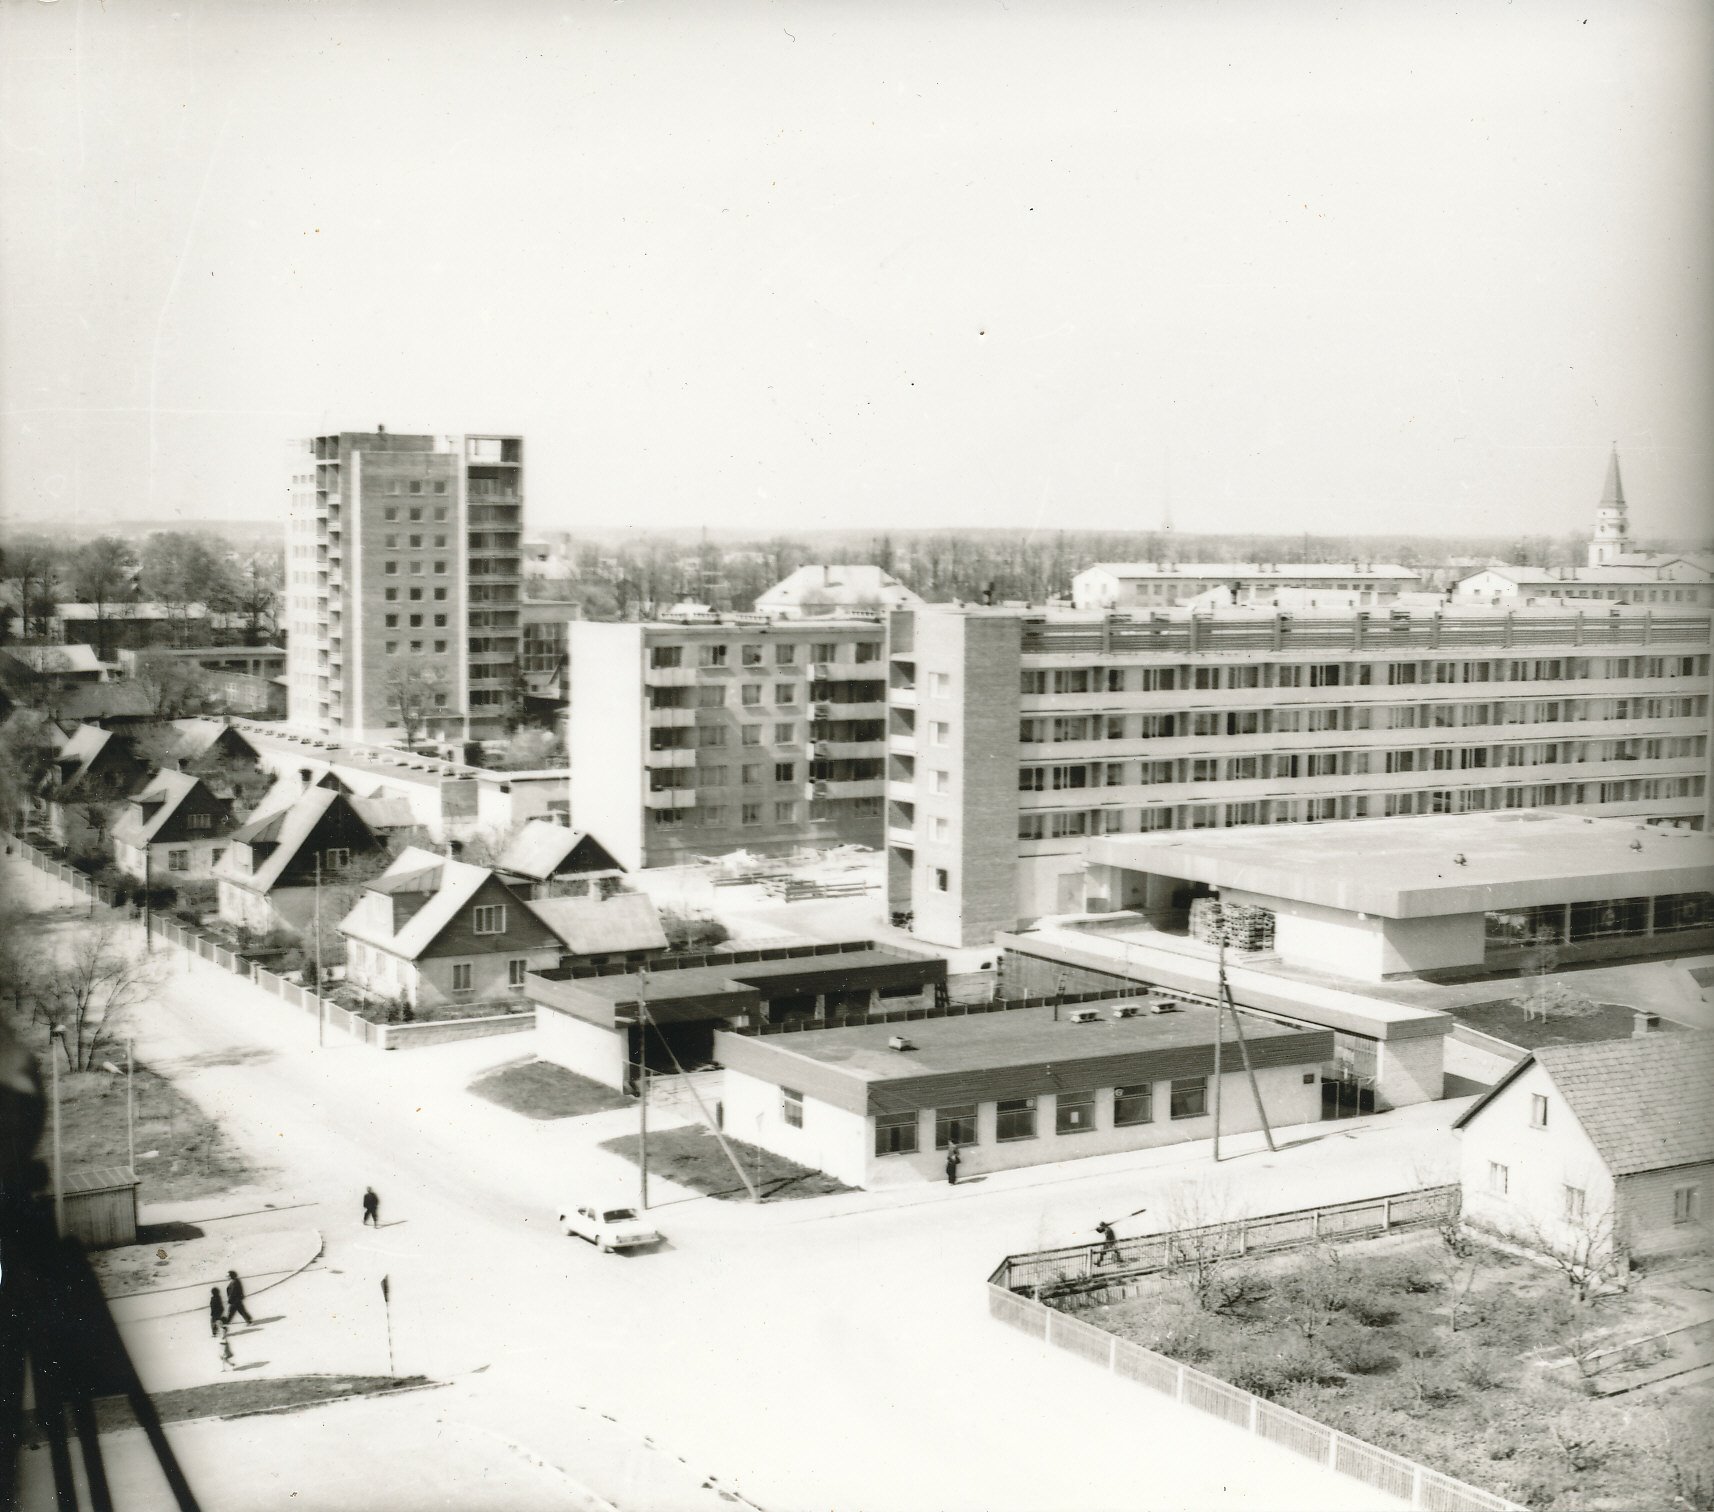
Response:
column 23, row 974
column 1204, row 1242
column 102, row 574
column 1456, row 1262
column 93, row 981
column 417, row 691
column 1315, row 1292
column 173, row 686
column 26, row 755
column 1587, row 1248
column 340, row 893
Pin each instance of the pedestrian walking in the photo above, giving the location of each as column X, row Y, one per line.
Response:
column 224, row 1334
column 216, row 1311
column 371, row 1207
column 1109, row 1242
column 235, row 1307
column 952, row 1159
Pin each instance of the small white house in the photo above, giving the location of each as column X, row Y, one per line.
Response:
column 1606, row 1143
column 176, row 829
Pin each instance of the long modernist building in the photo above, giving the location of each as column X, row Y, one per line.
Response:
column 1016, row 736
column 403, row 573
column 722, row 732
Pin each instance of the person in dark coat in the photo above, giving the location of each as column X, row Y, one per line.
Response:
column 371, row 1207
column 216, row 1311
column 235, row 1307
column 1109, row 1242
column 952, row 1159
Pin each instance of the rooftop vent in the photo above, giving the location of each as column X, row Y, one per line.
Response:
column 1161, row 1005
column 899, row 1042
column 1083, row 1016
column 1126, row 1010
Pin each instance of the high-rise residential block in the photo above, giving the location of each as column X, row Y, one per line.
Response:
column 717, row 733
column 1014, row 736
column 403, row 580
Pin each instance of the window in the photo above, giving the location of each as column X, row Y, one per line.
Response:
column 440, row 621
column 750, row 656
column 1074, row 1113
column 711, row 735
column 939, row 733
column 750, row 813
column 440, row 567
column 391, row 512
column 1572, row 1206
column 336, row 858
column 390, row 568
column 515, row 974
column 490, row 918
column 791, row 1107
column 416, row 594
column 416, row 488
column 391, row 542
column 416, row 542
column 785, row 812
column 784, row 655
column 784, row 771
column 896, row 1133
column 785, row 693
column 200, row 821
column 1538, row 1111
column 1190, row 1097
column 416, row 621
column 1499, row 1179
column 943, row 782
column 178, row 860
column 750, row 773
column 1015, row 1119
column 940, row 684
column 461, row 981
column 942, row 880
column 1686, row 1204
column 711, row 656
column 666, row 656
column 750, row 693
column 392, row 595
column 710, row 696
column 1133, row 1105
column 440, row 646
column 439, row 593
column 824, row 651
column 785, row 734
column 751, row 734
column 939, row 828
column 956, row 1125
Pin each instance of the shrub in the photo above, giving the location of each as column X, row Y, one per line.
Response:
column 1363, row 1354
column 692, row 932
column 1371, row 1308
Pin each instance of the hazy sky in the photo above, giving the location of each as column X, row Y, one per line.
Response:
column 1324, row 267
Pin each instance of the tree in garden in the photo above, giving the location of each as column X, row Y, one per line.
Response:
column 92, row 982
column 102, row 574
column 416, row 692
column 174, row 687
column 1586, row 1247
column 37, row 569
column 26, row 756
column 179, row 570
column 1204, row 1243
column 256, row 595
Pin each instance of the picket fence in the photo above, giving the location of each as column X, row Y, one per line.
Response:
column 1415, row 1485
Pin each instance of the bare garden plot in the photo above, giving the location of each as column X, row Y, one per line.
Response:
column 692, row 1157
column 1474, row 1361
column 542, row 1090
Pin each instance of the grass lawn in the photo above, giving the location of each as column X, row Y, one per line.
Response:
column 1360, row 1336
column 194, row 1157
column 540, row 1089
column 692, row 1157
column 240, row 1398
column 1504, row 1019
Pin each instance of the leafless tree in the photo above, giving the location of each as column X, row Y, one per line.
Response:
column 26, row 754
column 93, row 982
column 1457, row 1263
column 413, row 686
column 23, row 973
column 173, row 686
column 1314, row 1293
column 1204, row 1243
column 103, row 574
column 1587, row 1248
column 340, row 893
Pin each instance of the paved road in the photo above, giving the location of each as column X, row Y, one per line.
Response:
column 833, row 1353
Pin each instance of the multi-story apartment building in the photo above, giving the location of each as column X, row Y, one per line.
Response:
column 718, row 733
column 1013, row 735
column 1161, row 585
column 403, row 574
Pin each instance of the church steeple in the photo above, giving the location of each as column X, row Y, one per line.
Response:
column 1612, row 538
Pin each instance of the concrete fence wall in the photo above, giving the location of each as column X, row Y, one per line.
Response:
column 1415, row 1485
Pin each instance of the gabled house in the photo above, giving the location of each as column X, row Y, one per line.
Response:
column 432, row 931
column 623, row 929
column 223, row 757
column 548, row 860
column 1609, row 1143
column 275, row 864
column 92, row 777
column 174, row 830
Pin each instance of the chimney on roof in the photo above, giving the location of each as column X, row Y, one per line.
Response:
column 380, row 430
column 1644, row 1023
column 304, row 777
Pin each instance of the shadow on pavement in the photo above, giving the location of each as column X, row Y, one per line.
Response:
column 168, row 1233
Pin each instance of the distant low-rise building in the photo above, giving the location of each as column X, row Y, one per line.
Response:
column 1163, row 585
column 93, row 776
column 832, row 591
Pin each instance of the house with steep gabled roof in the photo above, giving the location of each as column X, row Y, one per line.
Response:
column 275, row 864
column 548, row 860
column 432, row 931
column 92, row 777
column 1610, row 1141
column 623, row 929
column 175, row 829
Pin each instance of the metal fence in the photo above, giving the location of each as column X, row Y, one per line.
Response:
column 1414, row 1484
column 1074, row 1267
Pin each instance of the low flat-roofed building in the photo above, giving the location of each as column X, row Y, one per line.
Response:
column 1024, row 1087
column 1379, row 898
column 588, row 1019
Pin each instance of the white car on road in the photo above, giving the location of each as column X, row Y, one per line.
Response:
column 609, row 1228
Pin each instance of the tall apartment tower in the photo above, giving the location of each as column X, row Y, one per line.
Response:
column 404, row 573
column 1014, row 737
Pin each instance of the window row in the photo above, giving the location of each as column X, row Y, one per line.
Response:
column 754, row 653
column 1015, row 1118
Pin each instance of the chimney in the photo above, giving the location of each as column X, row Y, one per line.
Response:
column 1644, row 1023
column 304, row 778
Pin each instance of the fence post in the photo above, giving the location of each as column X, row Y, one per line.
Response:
column 1113, row 1352
column 1315, row 1223
column 1386, row 1213
column 1255, row 1403
column 1332, row 1448
column 1178, row 1383
column 1416, row 1485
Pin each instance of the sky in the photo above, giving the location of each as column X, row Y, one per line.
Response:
column 1253, row 266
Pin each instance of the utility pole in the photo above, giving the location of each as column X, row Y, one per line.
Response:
column 56, row 1042
column 320, row 1007
column 1244, row 1050
column 148, row 914
column 130, row 1117
column 643, row 1089
column 1219, row 1020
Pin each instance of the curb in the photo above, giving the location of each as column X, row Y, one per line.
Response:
column 202, row 1306
column 348, row 1396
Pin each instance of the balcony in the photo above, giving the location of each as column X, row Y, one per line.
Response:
column 902, row 745
column 898, row 835
column 672, row 798
column 669, row 677
column 851, row 787
column 671, row 719
column 677, row 757
column 901, row 792
column 833, row 749
column 902, row 697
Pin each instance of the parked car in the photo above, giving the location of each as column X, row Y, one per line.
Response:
column 609, row 1228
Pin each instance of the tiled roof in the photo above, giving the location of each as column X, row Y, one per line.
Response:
column 455, row 883
column 138, row 825
column 1645, row 1103
column 603, row 926
column 288, row 828
column 540, row 848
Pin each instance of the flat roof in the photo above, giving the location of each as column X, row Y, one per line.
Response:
column 1429, row 865
column 1017, row 1037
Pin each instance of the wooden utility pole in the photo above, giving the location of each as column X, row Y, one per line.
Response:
column 56, row 1039
column 130, row 1116
column 148, row 912
column 1219, row 1031
column 320, row 1007
column 1244, row 1050
column 643, row 1089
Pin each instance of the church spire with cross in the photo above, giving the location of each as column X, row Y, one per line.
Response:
column 1612, row 539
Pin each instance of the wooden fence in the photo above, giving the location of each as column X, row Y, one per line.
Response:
column 1077, row 1267
column 1415, row 1485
